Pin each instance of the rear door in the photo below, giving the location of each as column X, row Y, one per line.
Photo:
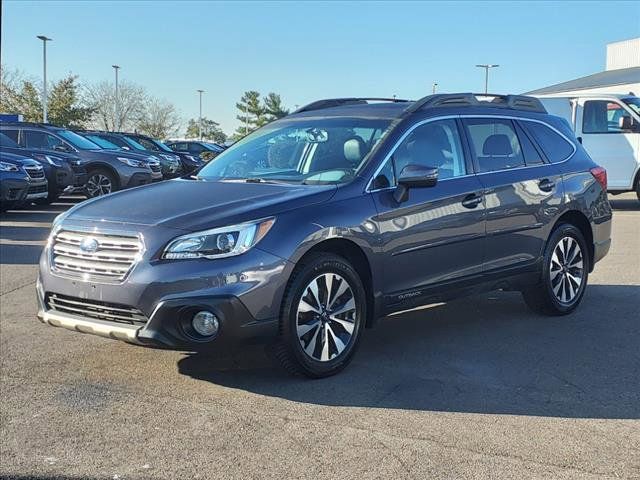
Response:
column 606, row 143
column 521, row 191
column 437, row 235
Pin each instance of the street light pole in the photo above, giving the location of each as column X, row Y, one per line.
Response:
column 486, row 67
column 117, row 119
column 44, row 75
column 433, row 90
column 200, row 92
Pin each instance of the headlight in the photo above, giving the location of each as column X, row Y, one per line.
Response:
column 8, row 167
column 218, row 242
column 132, row 163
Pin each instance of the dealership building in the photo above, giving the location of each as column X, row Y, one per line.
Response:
column 622, row 74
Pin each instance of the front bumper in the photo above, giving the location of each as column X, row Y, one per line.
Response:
column 38, row 189
column 13, row 190
column 244, row 292
column 141, row 178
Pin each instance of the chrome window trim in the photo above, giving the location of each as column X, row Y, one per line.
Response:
column 448, row 117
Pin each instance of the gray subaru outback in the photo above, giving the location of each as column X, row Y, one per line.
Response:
column 310, row 229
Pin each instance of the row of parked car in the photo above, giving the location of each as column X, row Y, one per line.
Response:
column 39, row 162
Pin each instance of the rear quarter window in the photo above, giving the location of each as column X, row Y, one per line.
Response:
column 555, row 147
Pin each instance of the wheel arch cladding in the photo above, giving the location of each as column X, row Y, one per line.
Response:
column 354, row 254
column 580, row 221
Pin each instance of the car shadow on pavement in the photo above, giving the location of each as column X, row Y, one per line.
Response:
column 485, row 354
column 628, row 204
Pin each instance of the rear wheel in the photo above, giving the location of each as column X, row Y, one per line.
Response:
column 100, row 182
column 638, row 188
column 565, row 273
column 323, row 314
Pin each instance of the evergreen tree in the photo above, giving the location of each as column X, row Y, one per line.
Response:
column 210, row 130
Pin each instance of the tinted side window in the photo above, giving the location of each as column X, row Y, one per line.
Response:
column 494, row 143
column 555, row 148
column 12, row 134
column 600, row 116
column 41, row 140
column 196, row 148
column 531, row 154
column 434, row 144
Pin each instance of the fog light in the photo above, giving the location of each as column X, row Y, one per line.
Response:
column 205, row 323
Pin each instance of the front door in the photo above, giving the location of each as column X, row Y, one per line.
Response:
column 436, row 235
column 606, row 143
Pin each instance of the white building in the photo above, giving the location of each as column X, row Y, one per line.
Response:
column 621, row 76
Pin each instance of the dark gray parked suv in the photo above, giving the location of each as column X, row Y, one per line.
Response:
column 107, row 170
column 313, row 227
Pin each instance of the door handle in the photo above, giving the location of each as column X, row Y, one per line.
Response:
column 472, row 200
column 546, row 185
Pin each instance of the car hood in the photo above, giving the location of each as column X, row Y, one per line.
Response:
column 193, row 205
column 97, row 154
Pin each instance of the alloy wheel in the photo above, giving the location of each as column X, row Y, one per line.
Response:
column 326, row 317
column 98, row 184
column 567, row 270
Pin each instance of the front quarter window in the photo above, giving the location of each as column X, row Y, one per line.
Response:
column 308, row 151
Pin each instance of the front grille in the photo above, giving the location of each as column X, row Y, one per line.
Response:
column 95, row 256
column 155, row 167
column 111, row 312
column 37, row 188
column 35, row 172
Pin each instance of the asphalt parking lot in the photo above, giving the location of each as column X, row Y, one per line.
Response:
column 477, row 388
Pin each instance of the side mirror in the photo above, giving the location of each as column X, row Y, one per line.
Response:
column 627, row 124
column 414, row 176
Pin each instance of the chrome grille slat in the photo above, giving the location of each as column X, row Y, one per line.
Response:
column 113, row 259
column 118, row 256
column 95, row 309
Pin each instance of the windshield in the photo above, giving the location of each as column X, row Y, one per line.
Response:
column 77, row 141
column 101, row 142
column 213, row 146
column 133, row 143
column 329, row 150
column 634, row 103
column 150, row 144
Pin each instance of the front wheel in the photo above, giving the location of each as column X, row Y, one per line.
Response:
column 565, row 273
column 100, row 182
column 323, row 314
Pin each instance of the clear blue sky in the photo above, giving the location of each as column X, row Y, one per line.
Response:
column 306, row 51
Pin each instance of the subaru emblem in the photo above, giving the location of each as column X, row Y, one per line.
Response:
column 89, row 245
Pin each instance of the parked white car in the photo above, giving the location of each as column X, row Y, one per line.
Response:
column 608, row 125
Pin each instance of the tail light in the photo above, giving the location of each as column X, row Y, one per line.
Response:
column 600, row 174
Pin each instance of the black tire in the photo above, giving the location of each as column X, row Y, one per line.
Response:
column 558, row 292
column 638, row 189
column 99, row 174
column 289, row 349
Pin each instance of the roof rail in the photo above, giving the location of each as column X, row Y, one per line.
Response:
column 337, row 102
column 30, row 124
column 513, row 102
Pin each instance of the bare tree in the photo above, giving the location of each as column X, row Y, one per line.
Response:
column 132, row 99
column 159, row 119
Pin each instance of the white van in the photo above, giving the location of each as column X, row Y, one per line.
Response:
column 608, row 126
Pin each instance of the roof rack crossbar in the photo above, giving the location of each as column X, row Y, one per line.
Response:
column 513, row 102
column 337, row 102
